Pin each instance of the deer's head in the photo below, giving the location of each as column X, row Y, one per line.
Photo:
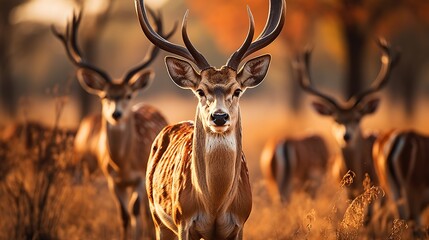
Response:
column 218, row 90
column 115, row 95
column 349, row 115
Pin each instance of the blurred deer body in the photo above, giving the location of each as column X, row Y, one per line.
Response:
column 86, row 144
column 288, row 164
column 356, row 148
column 120, row 146
column 120, row 137
column 401, row 161
column 197, row 179
column 356, row 152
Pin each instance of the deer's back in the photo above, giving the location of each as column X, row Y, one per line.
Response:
column 148, row 123
column 293, row 163
column 311, row 155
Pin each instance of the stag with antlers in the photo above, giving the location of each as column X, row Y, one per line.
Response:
column 197, row 179
column 356, row 148
column 120, row 137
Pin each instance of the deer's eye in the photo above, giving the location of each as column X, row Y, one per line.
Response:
column 237, row 93
column 129, row 96
column 200, row 93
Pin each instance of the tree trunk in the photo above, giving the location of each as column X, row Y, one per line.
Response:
column 355, row 43
column 8, row 97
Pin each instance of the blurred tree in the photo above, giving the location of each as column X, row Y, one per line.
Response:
column 45, row 13
column 358, row 19
column 7, row 91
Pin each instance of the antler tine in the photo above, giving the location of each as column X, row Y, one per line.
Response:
column 237, row 56
column 162, row 43
column 383, row 76
column 153, row 51
column 76, row 19
column 69, row 40
column 271, row 30
column 199, row 58
column 301, row 65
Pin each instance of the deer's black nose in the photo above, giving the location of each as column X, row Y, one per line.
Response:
column 116, row 115
column 220, row 118
column 347, row 137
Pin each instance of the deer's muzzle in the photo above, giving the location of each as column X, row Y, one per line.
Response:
column 219, row 118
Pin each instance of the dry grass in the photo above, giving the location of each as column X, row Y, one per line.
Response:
column 35, row 167
column 327, row 216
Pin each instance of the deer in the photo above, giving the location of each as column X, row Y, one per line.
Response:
column 356, row 147
column 120, row 137
column 197, row 179
column 401, row 162
column 289, row 164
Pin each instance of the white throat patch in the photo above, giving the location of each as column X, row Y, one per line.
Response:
column 221, row 142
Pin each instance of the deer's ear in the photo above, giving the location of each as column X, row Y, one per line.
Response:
column 182, row 73
column 254, row 71
column 141, row 80
column 91, row 81
column 370, row 106
column 322, row 108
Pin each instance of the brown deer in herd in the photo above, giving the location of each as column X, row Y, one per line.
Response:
column 356, row 147
column 402, row 163
column 197, row 179
column 289, row 164
column 120, row 137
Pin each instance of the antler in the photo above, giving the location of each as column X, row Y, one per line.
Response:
column 301, row 65
column 153, row 52
column 383, row 75
column 69, row 40
column 271, row 30
column 190, row 52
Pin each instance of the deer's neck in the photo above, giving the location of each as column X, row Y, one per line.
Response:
column 216, row 164
column 353, row 149
column 119, row 138
column 358, row 158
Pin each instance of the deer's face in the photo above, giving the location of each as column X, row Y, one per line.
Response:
column 218, row 90
column 218, row 93
column 116, row 103
column 116, row 98
column 347, row 128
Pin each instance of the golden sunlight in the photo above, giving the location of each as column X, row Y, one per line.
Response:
column 156, row 3
column 53, row 11
column 42, row 11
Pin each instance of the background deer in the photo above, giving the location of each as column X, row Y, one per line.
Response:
column 289, row 164
column 197, row 180
column 120, row 137
column 356, row 147
column 401, row 161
